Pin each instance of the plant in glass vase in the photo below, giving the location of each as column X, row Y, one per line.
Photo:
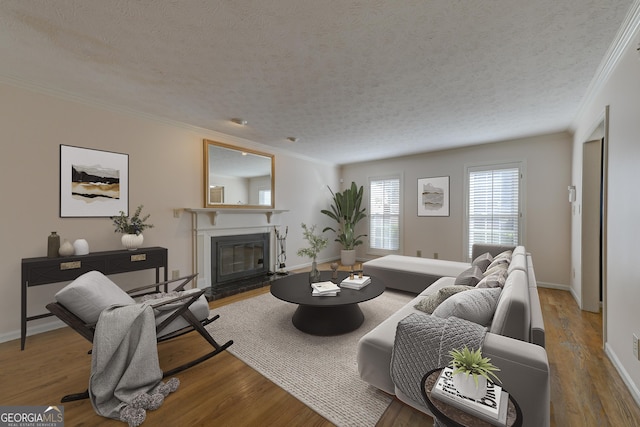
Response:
column 316, row 244
column 131, row 227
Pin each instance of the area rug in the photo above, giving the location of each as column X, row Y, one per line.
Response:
column 319, row 371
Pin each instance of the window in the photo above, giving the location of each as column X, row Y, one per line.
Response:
column 384, row 214
column 493, row 205
column 264, row 197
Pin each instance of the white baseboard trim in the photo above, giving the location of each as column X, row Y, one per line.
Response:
column 633, row 389
column 32, row 330
column 554, row 286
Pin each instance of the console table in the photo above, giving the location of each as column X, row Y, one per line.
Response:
column 43, row 271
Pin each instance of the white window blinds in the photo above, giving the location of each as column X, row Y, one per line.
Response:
column 494, row 205
column 384, row 214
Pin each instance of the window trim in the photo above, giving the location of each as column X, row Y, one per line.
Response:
column 485, row 166
column 400, row 178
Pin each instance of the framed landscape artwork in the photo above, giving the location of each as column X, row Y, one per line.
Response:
column 433, row 196
column 93, row 183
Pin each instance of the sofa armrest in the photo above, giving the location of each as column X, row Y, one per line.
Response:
column 524, row 372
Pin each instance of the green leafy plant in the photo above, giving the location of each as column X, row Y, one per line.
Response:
column 471, row 362
column 346, row 211
column 133, row 225
column 316, row 242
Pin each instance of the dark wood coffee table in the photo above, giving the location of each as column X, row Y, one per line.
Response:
column 324, row 315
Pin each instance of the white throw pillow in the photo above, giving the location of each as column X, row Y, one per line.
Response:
column 475, row 305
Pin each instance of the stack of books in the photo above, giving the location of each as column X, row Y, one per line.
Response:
column 491, row 408
column 356, row 282
column 325, row 289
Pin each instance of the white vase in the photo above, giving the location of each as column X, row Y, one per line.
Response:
column 132, row 241
column 466, row 385
column 81, row 247
column 66, row 249
column 348, row 257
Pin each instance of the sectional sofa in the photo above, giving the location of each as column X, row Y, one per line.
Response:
column 515, row 335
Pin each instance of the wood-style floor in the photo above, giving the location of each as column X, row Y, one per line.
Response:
column 585, row 388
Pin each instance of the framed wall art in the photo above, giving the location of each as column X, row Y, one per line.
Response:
column 93, row 183
column 433, row 196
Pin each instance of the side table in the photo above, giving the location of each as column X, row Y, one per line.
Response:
column 451, row 416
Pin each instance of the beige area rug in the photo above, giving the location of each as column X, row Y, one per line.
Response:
column 319, row 371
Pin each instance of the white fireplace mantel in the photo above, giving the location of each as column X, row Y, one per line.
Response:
column 213, row 212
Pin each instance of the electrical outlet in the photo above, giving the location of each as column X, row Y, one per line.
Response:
column 635, row 347
column 176, row 213
column 435, row 255
column 419, row 253
column 175, row 274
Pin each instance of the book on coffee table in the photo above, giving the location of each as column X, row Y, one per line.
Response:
column 325, row 288
column 492, row 407
column 356, row 282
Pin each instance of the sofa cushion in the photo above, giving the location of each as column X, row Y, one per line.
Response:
column 483, row 261
column 498, row 262
column 494, row 280
column 513, row 314
column 495, row 269
column 476, row 305
column 470, row 277
column 431, row 301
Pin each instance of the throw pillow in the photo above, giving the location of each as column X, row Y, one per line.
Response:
column 498, row 261
column 506, row 255
column 495, row 280
column 430, row 302
column 475, row 305
column 483, row 261
column 501, row 266
column 469, row 277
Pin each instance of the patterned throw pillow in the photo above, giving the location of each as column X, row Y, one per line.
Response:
column 475, row 305
column 495, row 280
column 430, row 302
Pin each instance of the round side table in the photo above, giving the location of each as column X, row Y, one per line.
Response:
column 451, row 416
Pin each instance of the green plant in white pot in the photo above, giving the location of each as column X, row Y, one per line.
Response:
column 131, row 228
column 346, row 210
column 471, row 372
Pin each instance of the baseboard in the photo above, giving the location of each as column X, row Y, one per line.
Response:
column 553, row 286
column 32, row 330
column 633, row 389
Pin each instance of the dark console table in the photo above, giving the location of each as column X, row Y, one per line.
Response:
column 43, row 271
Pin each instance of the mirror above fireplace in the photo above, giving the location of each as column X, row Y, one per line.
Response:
column 237, row 177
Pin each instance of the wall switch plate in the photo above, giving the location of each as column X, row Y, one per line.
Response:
column 419, row 253
column 635, row 346
column 175, row 274
column 435, row 255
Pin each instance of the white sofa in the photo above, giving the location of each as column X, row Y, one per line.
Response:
column 514, row 341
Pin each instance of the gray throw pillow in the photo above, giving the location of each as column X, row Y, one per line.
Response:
column 430, row 302
column 476, row 305
column 483, row 261
column 470, row 277
column 495, row 280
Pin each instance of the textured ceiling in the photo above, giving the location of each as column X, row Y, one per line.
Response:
column 353, row 80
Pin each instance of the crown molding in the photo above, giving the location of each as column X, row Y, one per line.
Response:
column 625, row 35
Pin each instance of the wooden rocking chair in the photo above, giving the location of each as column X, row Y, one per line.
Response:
column 80, row 303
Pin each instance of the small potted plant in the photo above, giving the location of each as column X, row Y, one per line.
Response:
column 471, row 372
column 131, row 228
column 317, row 243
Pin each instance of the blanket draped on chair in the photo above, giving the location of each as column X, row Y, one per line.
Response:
column 423, row 343
column 125, row 371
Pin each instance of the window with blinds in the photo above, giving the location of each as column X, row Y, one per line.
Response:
column 384, row 214
column 493, row 210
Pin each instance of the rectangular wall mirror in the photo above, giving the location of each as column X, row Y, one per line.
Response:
column 237, row 177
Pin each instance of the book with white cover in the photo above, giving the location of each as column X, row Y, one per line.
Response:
column 323, row 287
column 356, row 282
column 492, row 407
column 315, row 293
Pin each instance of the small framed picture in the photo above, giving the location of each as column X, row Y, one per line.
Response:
column 93, row 183
column 433, row 196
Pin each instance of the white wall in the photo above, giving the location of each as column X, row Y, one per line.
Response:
column 622, row 93
column 547, row 227
column 165, row 164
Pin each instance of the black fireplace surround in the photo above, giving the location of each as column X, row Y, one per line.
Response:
column 238, row 263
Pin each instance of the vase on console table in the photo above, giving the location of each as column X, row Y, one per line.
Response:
column 132, row 241
column 314, row 275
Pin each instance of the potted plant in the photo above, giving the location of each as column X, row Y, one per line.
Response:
column 346, row 211
column 317, row 243
column 131, row 228
column 471, row 372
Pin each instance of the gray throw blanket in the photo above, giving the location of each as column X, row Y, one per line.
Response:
column 125, row 371
column 423, row 343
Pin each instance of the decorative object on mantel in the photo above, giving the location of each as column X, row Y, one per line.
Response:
column 346, row 211
column 282, row 251
column 66, row 249
column 317, row 243
column 131, row 228
column 53, row 245
column 471, row 372
column 81, row 247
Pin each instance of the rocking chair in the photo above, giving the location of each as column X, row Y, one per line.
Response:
column 80, row 303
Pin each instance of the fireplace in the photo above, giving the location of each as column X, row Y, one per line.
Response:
column 239, row 263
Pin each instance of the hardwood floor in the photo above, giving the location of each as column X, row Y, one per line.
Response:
column 223, row 391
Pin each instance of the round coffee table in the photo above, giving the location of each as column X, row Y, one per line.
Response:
column 324, row 315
